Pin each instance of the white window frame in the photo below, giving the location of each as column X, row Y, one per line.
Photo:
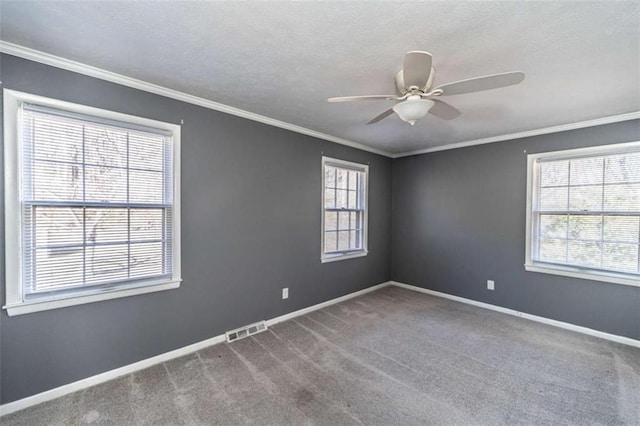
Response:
column 15, row 302
column 532, row 180
column 353, row 166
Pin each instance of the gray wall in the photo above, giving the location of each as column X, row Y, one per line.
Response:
column 458, row 219
column 250, row 226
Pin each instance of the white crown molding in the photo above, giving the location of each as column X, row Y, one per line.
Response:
column 560, row 324
column 39, row 398
column 80, row 68
column 536, row 132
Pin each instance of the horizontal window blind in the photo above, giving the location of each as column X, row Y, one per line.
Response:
column 97, row 202
column 344, row 208
column 587, row 212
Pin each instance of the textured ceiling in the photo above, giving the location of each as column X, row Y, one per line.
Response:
column 283, row 60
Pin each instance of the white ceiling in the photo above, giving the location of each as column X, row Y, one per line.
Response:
column 283, row 60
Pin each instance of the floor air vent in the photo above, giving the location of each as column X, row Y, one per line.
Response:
column 246, row 331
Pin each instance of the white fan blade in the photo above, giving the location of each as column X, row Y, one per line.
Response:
column 444, row 110
column 381, row 116
column 430, row 81
column 416, row 69
column 478, row 84
column 362, row 98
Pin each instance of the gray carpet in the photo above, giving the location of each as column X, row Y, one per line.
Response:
column 393, row 356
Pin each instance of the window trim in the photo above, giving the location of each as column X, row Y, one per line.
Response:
column 566, row 270
column 325, row 258
column 15, row 302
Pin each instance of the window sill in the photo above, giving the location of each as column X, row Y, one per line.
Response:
column 573, row 272
column 335, row 257
column 28, row 307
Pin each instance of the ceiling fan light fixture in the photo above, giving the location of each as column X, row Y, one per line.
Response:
column 413, row 110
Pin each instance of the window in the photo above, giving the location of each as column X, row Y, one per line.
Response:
column 92, row 204
column 584, row 213
column 344, row 212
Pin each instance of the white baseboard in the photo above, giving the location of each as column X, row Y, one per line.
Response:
column 567, row 326
column 32, row 400
column 54, row 393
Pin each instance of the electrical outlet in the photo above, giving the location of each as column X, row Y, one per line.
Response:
column 285, row 293
column 491, row 285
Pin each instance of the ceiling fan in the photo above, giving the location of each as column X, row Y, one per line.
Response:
column 414, row 88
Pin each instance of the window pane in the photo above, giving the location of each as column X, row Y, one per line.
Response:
column 341, row 198
column 57, row 268
column 621, row 257
column 146, row 224
column 553, row 250
column 330, row 241
column 56, row 182
column 553, row 226
column 106, row 225
column 341, row 178
column 57, row 226
column 106, row 184
column 57, row 140
column 554, row 173
column 585, row 198
column 146, row 151
column 622, row 228
column 584, row 253
column 586, row 171
column 331, row 221
column 146, row 259
column 146, row 187
column 585, row 227
column 107, row 263
column 343, row 220
column 553, row 199
column 329, row 176
column 329, row 198
column 352, row 200
column 624, row 197
column 622, row 168
column 343, row 240
column 105, row 146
